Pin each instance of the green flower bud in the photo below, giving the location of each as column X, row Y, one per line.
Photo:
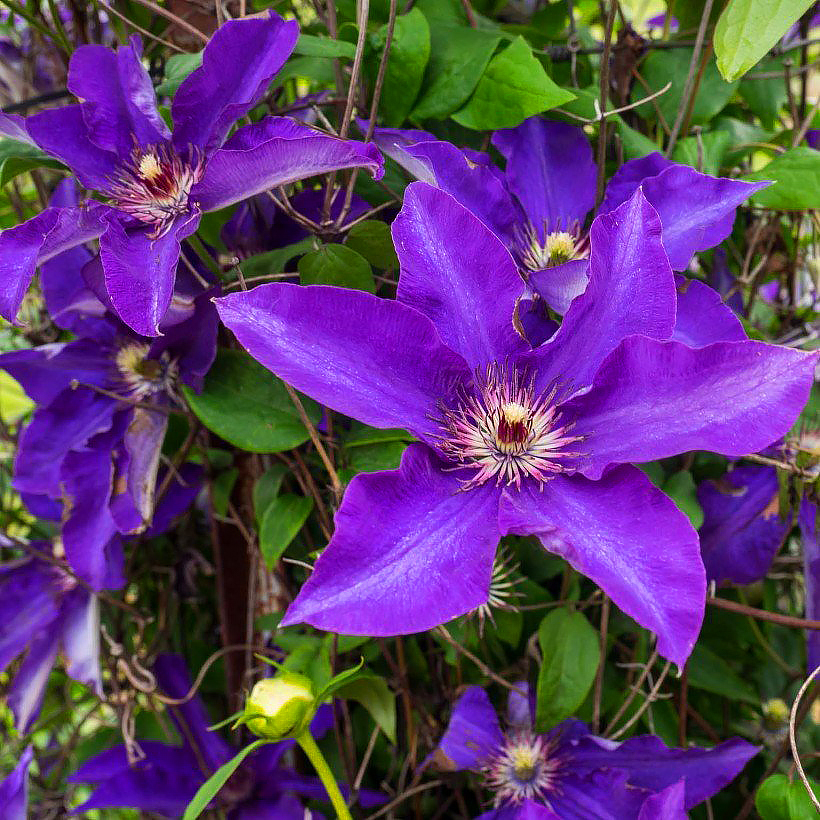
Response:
column 280, row 706
column 775, row 713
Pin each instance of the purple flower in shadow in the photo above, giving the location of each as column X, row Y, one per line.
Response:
column 167, row 777
column 14, row 789
column 156, row 183
column 43, row 611
column 90, row 456
column 513, row 440
column 568, row 772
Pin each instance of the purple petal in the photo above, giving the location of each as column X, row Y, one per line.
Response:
column 458, row 274
column 375, row 360
column 177, row 498
column 666, row 805
column 628, row 537
column 560, row 284
column 476, row 186
column 811, row 568
column 741, row 529
column 525, row 810
column 703, row 317
column 656, row 399
column 654, row 766
column 28, row 605
column 190, row 718
column 602, row 795
column 68, row 422
column 521, row 708
column 273, row 152
column 63, row 133
column 87, row 480
column 80, row 638
column 697, row 211
column 551, row 170
column 473, row 735
column 15, row 127
column 401, row 538
column 631, row 290
column 25, row 696
column 238, row 64
column 119, row 106
column 25, row 246
column 14, row 789
column 140, row 271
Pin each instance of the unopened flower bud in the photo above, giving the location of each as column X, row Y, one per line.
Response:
column 775, row 713
column 280, row 706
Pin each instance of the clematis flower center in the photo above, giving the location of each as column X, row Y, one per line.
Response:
column 155, row 185
column 503, row 430
column 141, row 376
column 503, row 583
column 524, row 769
column 556, row 248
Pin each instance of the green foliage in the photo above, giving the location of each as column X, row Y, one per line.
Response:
column 747, row 29
column 19, row 157
column 284, row 516
column 796, row 177
column 514, row 86
column 248, row 406
column 570, row 655
column 177, row 68
column 338, row 265
column 778, row 798
column 374, row 694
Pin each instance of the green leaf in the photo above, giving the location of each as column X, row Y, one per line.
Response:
column 273, row 261
column 681, row 488
column 710, row 672
column 406, row 62
column 221, row 489
column 308, row 45
column 248, row 406
column 267, row 488
column 14, row 403
column 373, row 240
column 772, row 798
column 335, row 683
column 636, row 145
column 458, row 57
column 570, row 656
column 372, row 458
column 374, row 694
column 282, row 520
column 767, row 96
column 747, row 29
column 208, row 790
column 18, row 157
column 796, row 174
column 338, row 265
column 513, row 88
column 316, row 69
column 177, row 68
column 710, row 151
column 361, row 435
column 662, row 67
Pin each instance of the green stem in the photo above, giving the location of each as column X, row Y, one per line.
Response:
column 309, row 747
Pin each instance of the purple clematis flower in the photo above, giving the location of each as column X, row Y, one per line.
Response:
column 14, row 789
column 569, row 772
column 158, row 183
column 43, row 611
column 165, row 780
column 538, row 205
column 514, row 440
column 93, row 443
column 742, row 528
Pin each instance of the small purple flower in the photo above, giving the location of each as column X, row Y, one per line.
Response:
column 14, row 789
column 158, row 183
column 43, row 611
column 167, row 777
column 93, row 444
column 569, row 772
column 513, row 440
column 538, row 205
column 742, row 528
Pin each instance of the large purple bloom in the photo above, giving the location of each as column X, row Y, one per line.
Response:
column 538, row 205
column 569, row 773
column 158, row 183
column 93, row 444
column 513, row 440
column 43, row 611
column 165, row 780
